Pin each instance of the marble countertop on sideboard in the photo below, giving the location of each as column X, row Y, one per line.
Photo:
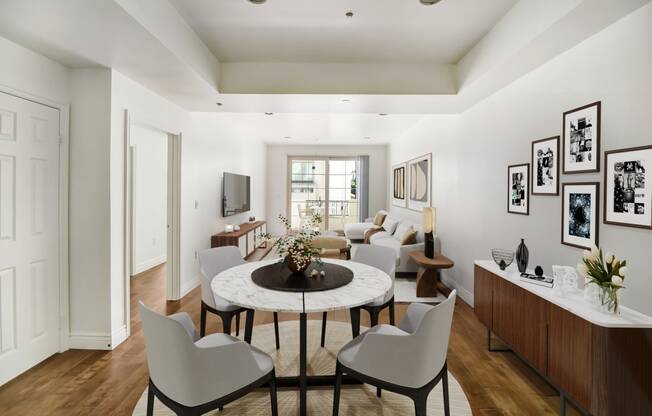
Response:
column 573, row 303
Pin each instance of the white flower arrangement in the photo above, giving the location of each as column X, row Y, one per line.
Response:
column 607, row 272
column 295, row 247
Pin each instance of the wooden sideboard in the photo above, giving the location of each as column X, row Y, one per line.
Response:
column 247, row 238
column 599, row 361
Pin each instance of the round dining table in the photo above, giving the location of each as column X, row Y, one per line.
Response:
column 237, row 286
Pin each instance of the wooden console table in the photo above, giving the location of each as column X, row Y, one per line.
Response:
column 599, row 361
column 247, row 238
column 428, row 273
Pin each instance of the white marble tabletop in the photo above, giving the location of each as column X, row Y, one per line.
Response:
column 573, row 303
column 236, row 286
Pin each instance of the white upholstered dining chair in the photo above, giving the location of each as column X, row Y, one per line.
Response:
column 383, row 258
column 212, row 262
column 422, row 336
column 192, row 376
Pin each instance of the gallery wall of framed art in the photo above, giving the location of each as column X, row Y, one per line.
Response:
column 627, row 189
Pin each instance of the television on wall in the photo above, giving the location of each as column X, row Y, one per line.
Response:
column 235, row 194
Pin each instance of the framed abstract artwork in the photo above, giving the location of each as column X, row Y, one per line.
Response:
column 628, row 191
column 545, row 166
column 419, row 182
column 580, row 214
column 518, row 196
column 581, row 127
column 399, row 197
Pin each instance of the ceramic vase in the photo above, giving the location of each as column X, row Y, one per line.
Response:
column 522, row 256
column 293, row 266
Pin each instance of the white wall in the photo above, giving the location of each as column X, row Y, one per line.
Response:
column 277, row 156
column 90, row 130
column 149, row 202
column 471, row 153
column 215, row 146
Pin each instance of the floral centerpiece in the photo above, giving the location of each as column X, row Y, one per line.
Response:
column 607, row 272
column 295, row 247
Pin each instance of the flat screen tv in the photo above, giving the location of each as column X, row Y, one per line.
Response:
column 235, row 194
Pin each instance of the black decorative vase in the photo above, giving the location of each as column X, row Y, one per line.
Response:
column 522, row 256
column 429, row 245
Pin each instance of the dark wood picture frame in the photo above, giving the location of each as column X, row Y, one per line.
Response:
column 509, row 188
column 598, row 105
column 534, row 167
column 597, row 212
column 606, row 172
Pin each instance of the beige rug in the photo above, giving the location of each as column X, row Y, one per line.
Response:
column 355, row 400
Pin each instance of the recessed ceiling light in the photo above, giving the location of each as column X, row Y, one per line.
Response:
column 367, row 138
column 346, row 100
column 269, row 114
column 382, row 114
column 429, row 2
column 219, row 104
column 287, row 137
column 349, row 14
column 257, row 1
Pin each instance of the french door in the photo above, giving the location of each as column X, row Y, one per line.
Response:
column 323, row 185
column 29, row 234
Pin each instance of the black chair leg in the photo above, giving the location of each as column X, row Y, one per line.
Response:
column 237, row 324
column 444, row 387
column 278, row 344
column 150, row 400
column 272, row 394
column 392, row 315
column 338, row 387
column 373, row 316
column 420, row 404
column 202, row 321
column 379, row 392
column 226, row 322
column 355, row 321
column 324, row 317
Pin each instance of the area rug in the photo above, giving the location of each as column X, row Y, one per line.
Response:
column 355, row 400
column 405, row 290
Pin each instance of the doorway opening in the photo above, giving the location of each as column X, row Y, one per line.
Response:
column 152, row 212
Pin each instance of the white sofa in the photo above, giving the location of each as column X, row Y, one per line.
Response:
column 390, row 238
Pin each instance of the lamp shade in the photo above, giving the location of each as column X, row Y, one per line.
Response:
column 429, row 220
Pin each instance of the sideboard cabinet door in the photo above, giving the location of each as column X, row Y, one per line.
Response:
column 570, row 354
column 483, row 296
column 504, row 310
column 531, row 328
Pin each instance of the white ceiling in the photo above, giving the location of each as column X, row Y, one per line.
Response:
column 320, row 128
column 381, row 31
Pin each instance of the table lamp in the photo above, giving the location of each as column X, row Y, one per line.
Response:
column 429, row 229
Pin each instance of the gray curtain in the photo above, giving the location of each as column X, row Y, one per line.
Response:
column 363, row 187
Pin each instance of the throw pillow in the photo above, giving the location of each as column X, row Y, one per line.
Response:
column 401, row 230
column 390, row 224
column 410, row 237
column 379, row 218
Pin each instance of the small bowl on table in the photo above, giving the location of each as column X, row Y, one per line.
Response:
column 503, row 258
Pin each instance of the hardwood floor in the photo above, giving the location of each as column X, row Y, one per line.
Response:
column 79, row 382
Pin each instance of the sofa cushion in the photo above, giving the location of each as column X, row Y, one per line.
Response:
column 401, row 230
column 388, row 242
column 390, row 224
column 378, row 236
column 357, row 230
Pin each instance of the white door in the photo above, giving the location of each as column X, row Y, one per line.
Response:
column 29, row 234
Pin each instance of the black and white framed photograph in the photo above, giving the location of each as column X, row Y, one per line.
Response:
column 545, row 166
column 419, row 182
column 399, row 198
column 581, row 128
column 628, row 193
column 580, row 214
column 518, row 180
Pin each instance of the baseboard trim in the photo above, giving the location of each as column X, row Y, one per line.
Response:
column 464, row 294
column 148, row 264
column 186, row 287
column 89, row 341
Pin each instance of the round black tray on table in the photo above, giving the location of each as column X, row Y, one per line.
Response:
column 277, row 276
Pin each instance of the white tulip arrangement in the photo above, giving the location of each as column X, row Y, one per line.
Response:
column 605, row 271
column 296, row 247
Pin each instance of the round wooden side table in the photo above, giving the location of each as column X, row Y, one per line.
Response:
column 428, row 273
